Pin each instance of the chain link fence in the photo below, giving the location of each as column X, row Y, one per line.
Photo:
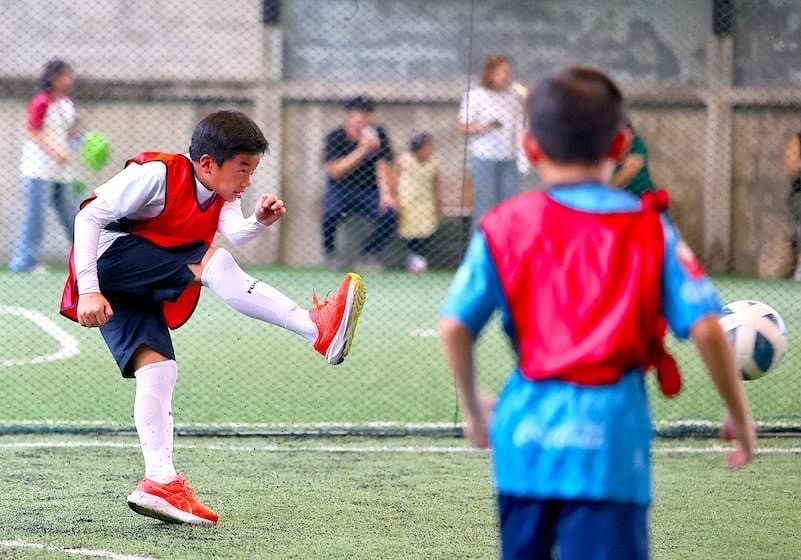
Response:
column 383, row 161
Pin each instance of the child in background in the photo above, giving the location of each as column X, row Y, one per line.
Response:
column 419, row 199
column 585, row 276
column 632, row 173
column 45, row 166
column 143, row 250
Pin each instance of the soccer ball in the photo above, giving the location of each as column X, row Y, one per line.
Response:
column 757, row 335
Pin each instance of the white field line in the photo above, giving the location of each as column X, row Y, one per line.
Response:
column 74, row 551
column 344, row 426
column 68, row 344
column 367, row 449
column 424, row 333
column 377, row 424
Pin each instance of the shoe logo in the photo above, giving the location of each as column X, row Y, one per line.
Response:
column 253, row 286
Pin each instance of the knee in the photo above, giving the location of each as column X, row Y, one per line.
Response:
column 215, row 262
column 163, row 372
column 218, row 254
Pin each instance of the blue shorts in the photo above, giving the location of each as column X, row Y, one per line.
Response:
column 534, row 529
column 136, row 276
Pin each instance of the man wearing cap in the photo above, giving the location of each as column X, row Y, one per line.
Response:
column 358, row 159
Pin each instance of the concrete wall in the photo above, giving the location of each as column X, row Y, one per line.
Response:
column 418, row 39
column 145, row 40
column 768, row 43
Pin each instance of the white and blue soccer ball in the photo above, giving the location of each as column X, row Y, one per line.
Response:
column 757, row 335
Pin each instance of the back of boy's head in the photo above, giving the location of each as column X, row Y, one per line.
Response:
column 224, row 134
column 574, row 115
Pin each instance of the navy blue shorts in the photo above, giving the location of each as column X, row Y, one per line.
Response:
column 534, row 529
column 136, row 276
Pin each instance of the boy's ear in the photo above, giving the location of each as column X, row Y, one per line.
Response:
column 620, row 145
column 531, row 148
column 206, row 162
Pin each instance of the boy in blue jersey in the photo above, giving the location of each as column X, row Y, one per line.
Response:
column 585, row 276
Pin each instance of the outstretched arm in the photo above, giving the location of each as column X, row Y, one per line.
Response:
column 238, row 229
column 94, row 309
column 458, row 343
column 718, row 357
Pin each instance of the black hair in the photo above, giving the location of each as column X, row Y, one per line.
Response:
column 224, row 134
column 418, row 141
column 361, row 103
column 574, row 115
column 51, row 70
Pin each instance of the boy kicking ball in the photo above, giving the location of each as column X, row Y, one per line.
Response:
column 586, row 276
column 141, row 253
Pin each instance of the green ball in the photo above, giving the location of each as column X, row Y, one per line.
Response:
column 95, row 149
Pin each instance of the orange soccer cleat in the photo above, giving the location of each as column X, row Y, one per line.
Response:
column 336, row 318
column 172, row 502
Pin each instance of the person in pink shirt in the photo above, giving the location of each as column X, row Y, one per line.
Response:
column 45, row 166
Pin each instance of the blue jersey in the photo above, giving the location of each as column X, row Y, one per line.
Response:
column 553, row 439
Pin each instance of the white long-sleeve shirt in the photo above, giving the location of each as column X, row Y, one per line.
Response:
column 482, row 106
column 138, row 192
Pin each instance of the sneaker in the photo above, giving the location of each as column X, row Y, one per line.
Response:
column 336, row 318
column 172, row 503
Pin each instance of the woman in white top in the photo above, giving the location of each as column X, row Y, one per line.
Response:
column 52, row 123
column 491, row 115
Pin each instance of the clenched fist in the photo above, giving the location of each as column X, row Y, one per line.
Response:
column 269, row 209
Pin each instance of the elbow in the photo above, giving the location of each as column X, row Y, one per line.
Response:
column 236, row 240
column 707, row 331
column 452, row 330
column 333, row 173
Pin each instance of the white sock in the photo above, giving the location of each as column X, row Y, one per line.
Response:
column 153, row 418
column 253, row 297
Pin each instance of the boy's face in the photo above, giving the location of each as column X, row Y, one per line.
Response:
column 230, row 179
column 425, row 151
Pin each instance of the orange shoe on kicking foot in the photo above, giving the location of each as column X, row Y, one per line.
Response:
column 336, row 318
column 172, row 502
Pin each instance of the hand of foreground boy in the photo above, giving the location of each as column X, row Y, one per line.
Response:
column 476, row 424
column 745, row 435
column 94, row 310
column 269, row 209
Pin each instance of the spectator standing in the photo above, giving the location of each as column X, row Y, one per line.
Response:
column 632, row 173
column 45, row 166
column 491, row 115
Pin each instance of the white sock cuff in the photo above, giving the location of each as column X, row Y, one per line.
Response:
column 165, row 368
column 219, row 261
